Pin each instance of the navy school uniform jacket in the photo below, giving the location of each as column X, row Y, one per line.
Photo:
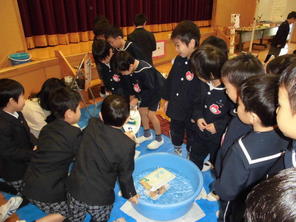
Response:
column 281, row 35
column 16, row 146
column 134, row 51
column 147, row 83
column 214, row 106
column 235, row 130
column 181, row 90
column 112, row 80
column 105, row 155
column 145, row 41
column 47, row 173
column 248, row 162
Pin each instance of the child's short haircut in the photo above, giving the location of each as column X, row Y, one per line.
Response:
column 122, row 61
column 291, row 15
column 185, row 31
column 241, row 67
column 280, row 63
column 115, row 110
column 9, row 88
column 259, row 94
column 140, row 19
column 273, row 199
column 288, row 80
column 62, row 100
column 101, row 25
column 207, row 61
column 217, row 42
column 113, row 32
column 100, row 49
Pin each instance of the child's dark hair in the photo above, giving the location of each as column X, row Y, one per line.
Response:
column 273, row 199
column 291, row 15
column 259, row 95
column 9, row 88
column 115, row 110
column 280, row 63
column 207, row 61
column 100, row 50
column 48, row 87
column 241, row 67
column 113, row 32
column 121, row 61
column 217, row 42
column 101, row 26
column 62, row 100
column 140, row 19
column 288, row 80
column 185, row 31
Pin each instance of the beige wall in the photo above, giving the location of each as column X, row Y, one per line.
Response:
column 224, row 8
column 11, row 33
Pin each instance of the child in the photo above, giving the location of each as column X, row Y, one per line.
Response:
column 181, row 86
column 286, row 117
column 147, row 84
column 280, row 63
column 234, row 72
column 280, row 38
column 102, row 53
column 58, row 143
column 211, row 113
column 36, row 110
column 251, row 158
column 144, row 39
column 217, row 42
column 100, row 27
column 105, row 155
column 17, row 143
column 273, row 200
column 114, row 37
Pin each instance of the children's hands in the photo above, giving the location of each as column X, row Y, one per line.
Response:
column 133, row 102
column 131, row 135
column 134, row 199
column 35, row 148
column 211, row 128
column 202, row 124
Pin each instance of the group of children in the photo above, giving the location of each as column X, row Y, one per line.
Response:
column 229, row 109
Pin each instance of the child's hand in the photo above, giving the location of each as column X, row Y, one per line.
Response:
column 133, row 102
column 134, row 199
column 202, row 124
column 131, row 135
column 211, row 128
column 35, row 148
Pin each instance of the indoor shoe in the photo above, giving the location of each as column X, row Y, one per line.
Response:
column 155, row 144
column 142, row 139
column 10, row 207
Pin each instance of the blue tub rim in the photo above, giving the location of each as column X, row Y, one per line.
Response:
column 189, row 200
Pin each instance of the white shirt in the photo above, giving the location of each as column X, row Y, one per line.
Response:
column 35, row 116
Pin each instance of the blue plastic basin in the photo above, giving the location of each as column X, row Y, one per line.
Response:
column 19, row 58
column 187, row 168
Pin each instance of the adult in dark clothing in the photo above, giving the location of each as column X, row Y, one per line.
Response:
column 106, row 155
column 144, row 39
column 45, row 179
column 280, row 38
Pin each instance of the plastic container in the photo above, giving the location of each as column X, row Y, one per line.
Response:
column 19, row 58
column 189, row 170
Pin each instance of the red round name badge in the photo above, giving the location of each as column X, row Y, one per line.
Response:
column 116, row 78
column 137, row 88
column 189, row 76
column 214, row 108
